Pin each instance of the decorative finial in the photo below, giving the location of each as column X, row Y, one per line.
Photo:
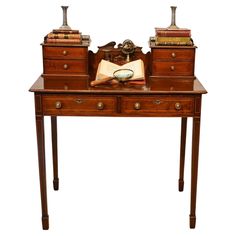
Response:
column 173, row 24
column 65, row 26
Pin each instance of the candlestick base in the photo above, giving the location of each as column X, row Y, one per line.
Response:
column 65, row 27
column 173, row 27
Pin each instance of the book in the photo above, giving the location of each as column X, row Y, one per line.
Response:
column 106, row 69
column 63, row 36
column 58, row 31
column 165, row 32
column 174, row 41
column 65, row 41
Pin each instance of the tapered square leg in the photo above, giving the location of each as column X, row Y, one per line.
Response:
column 42, row 170
column 41, row 160
column 54, row 152
column 182, row 153
column 194, row 172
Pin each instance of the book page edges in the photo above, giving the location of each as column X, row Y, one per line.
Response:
column 106, row 69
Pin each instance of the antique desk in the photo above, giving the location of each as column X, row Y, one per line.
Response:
column 171, row 90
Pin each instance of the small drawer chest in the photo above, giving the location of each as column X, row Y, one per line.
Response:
column 65, row 59
column 174, row 61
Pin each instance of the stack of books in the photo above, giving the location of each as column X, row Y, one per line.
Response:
column 64, row 37
column 175, row 37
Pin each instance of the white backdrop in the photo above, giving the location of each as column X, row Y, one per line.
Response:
column 118, row 176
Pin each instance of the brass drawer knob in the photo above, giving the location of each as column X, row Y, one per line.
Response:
column 58, row 105
column 64, row 52
column 137, row 106
column 157, row 102
column 173, row 55
column 177, row 106
column 100, row 105
column 65, row 66
column 172, row 68
column 79, row 101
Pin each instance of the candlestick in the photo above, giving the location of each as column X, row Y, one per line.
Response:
column 173, row 24
column 65, row 26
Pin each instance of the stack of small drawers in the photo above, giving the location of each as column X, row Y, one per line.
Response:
column 65, row 59
column 172, row 61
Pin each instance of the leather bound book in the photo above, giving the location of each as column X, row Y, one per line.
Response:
column 63, row 36
column 165, row 32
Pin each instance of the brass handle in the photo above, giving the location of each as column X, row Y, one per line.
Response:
column 137, row 106
column 79, row 101
column 172, row 68
column 64, row 52
column 173, row 54
column 157, row 102
column 100, row 105
column 65, row 66
column 58, row 105
column 177, row 106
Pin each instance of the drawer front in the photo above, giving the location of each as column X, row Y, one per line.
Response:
column 65, row 52
column 173, row 54
column 169, row 68
column 78, row 105
column 66, row 66
column 158, row 105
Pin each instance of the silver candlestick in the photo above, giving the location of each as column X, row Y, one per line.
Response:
column 173, row 24
column 65, row 26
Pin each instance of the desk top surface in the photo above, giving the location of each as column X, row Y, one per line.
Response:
column 80, row 84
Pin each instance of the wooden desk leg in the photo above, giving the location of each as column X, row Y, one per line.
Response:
column 182, row 153
column 194, row 172
column 54, row 152
column 42, row 169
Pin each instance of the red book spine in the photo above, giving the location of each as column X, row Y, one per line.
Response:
column 162, row 32
column 56, row 31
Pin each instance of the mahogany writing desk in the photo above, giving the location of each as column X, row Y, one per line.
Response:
column 171, row 90
column 74, row 97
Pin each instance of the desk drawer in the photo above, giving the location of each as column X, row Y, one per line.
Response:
column 158, row 105
column 175, row 68
column 79, row 66
column 65, row 52
column 173, row 54
column 78, row 105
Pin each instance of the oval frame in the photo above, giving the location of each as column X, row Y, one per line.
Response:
column 123, row 74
